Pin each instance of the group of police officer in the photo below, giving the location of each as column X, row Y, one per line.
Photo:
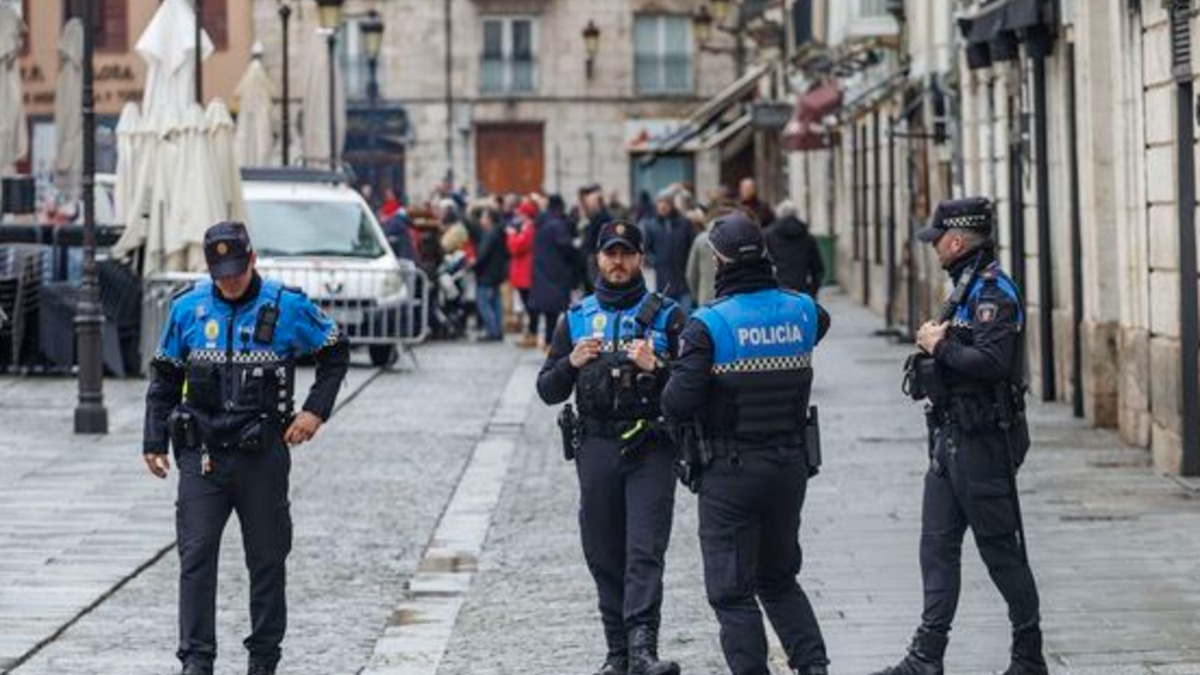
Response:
column 719, row 400
column 722, row 397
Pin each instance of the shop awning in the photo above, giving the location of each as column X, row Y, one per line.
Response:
column 805, row 130
column 712, row 111
column 723, row 136
column 994, row 32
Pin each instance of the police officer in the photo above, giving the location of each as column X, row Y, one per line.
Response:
column 221, row 394
column 744, row 370
column 970, row 371
column 611, row 350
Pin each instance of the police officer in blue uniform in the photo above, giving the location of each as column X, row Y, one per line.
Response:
column 221, row 394
column 742, row 381
column 611, row 351
column 970, row 372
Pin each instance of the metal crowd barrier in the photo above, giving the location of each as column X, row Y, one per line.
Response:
column 382, row 309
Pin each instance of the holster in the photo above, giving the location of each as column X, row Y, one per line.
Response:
column 572, row 432
column 694, row 453
column 812, row 441
column 184, row 431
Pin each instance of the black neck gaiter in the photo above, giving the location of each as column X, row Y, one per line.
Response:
column 621, row 296
column 745, row 277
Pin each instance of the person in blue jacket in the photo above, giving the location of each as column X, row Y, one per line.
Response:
column 221, row 395
column 611, row 351
column 743, row 379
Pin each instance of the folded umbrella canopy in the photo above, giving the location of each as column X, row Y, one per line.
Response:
column 255, row 95
column 68, row 112
column 169, row 206
column 220, row 133
column 314, row 116
column 14, row 134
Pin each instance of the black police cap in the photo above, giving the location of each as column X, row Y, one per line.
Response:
column 970, row 213
column 737, row 237
column 227, row 249
column 620, row 233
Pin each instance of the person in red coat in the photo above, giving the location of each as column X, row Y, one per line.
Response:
column 520, row 268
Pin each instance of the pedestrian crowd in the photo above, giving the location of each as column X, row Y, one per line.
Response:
column 515, row 263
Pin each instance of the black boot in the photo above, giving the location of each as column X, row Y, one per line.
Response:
column 614, row 665
column 260, row 669
column 1027, row 658
column 813, row 670
column 924, row 656
column 197, row 668
column 643, row 653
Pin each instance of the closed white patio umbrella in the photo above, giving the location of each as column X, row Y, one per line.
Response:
column 255, row 95
column 315, row 111
column 14, row 134
column 68, row 112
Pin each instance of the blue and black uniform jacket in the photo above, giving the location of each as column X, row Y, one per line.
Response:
column 216, row 362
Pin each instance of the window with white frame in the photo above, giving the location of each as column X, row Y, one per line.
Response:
column 509, row 64
column 353, row 60
column 663, row 54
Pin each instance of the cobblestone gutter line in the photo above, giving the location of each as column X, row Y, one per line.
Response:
column 420, row 629
column 154, row 559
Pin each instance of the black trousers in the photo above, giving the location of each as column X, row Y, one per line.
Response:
column 255, row 485
column 625, row 510
column 749, row 536
column 968, row 485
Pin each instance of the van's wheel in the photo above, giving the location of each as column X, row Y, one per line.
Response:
column 383, row 356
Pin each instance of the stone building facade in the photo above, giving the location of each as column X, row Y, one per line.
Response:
column 500, row 94
column 1067, row 113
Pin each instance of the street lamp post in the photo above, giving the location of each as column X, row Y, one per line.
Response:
column 372, row 32
column 330, row 14
column 199, row 7
column 285, row 13
column 591, row 42
column 90, row 415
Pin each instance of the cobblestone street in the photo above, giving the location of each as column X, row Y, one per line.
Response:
column 1113, row 545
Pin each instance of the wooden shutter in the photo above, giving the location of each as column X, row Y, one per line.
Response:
column 112, row 26
column 216, row 22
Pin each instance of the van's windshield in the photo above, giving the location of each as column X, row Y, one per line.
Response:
column 294, row 228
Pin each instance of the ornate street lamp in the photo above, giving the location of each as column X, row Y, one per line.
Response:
column 285, row 13
column 591, row 42
column 720, row 10
column 330, row 14
column 702, row 23
column 90, row 415
column 372, row 32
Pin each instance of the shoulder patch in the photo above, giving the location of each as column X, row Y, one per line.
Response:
column 986, row 312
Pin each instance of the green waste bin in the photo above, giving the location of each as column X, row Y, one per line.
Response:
column 827, row 245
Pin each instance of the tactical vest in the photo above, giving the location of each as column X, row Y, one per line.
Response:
column 612, row 387
column 762, row 370
column 960, row 327
column 239, row 359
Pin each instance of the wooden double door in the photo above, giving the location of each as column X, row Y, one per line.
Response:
column 510, row 157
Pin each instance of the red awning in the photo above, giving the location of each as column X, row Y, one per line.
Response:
column 805, row 131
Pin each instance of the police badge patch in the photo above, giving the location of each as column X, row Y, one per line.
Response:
column 986, row 312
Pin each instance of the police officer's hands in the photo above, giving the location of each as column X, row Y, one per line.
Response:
column 930, row 334
column 584, row 352
column 159, row 464
column 641, row 353
column 303, row 428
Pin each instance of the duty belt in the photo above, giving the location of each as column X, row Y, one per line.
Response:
column 604, row 428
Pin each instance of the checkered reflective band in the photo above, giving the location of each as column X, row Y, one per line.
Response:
column 256, row 357
column 966, row 222
column 771, row 364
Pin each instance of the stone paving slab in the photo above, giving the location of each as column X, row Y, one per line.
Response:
column 78, row 514
column 1114, row 546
